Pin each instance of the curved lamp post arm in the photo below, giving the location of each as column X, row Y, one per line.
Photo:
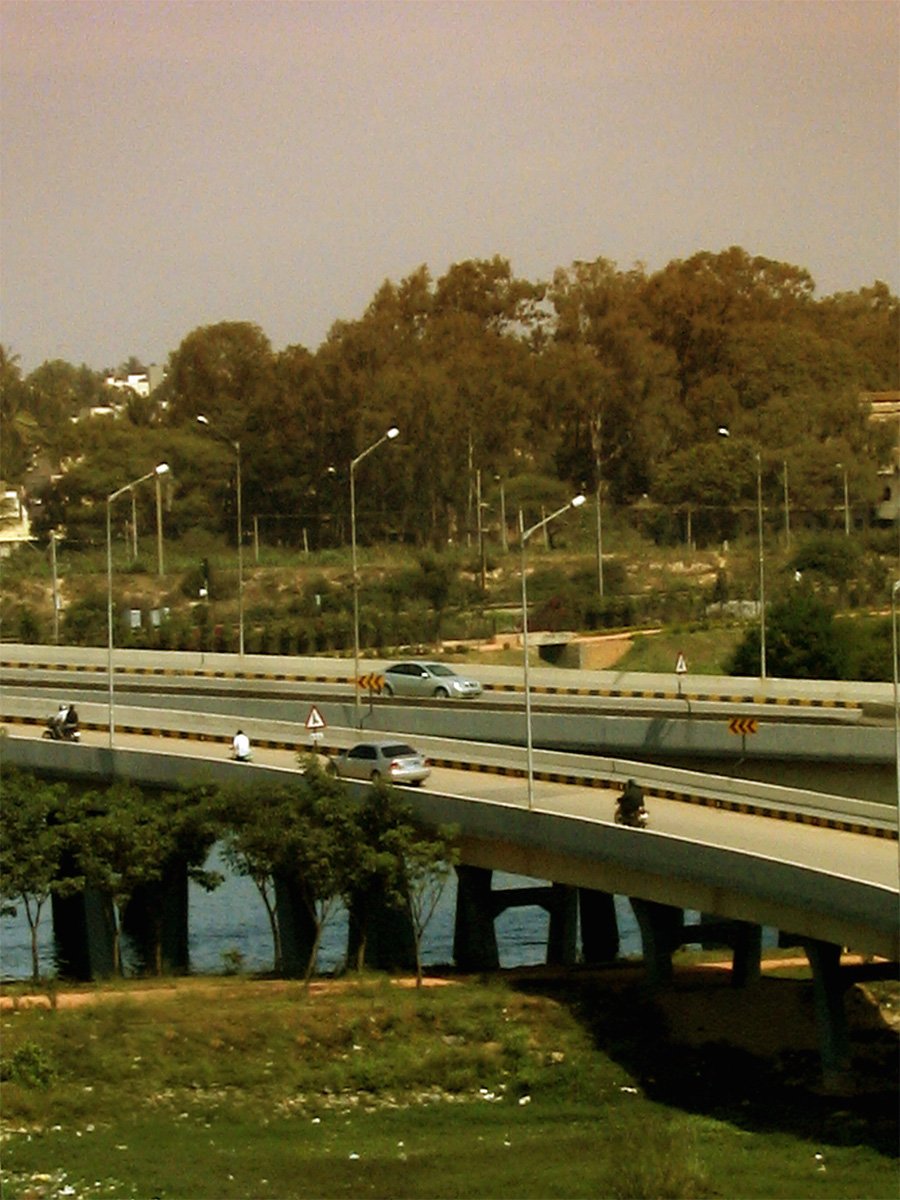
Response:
column 239, row 488
column 895, row 592
column 575, row 502
column 354, row 463
column 724, row 431
column 524, row 535
column 162, row 469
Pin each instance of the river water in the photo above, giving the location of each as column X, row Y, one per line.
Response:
column 230, row 925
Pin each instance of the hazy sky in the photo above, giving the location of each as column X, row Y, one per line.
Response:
column 168, row 165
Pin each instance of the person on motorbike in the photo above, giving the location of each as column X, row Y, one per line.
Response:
column 57, row 722
column 240, row 747
column 70, row 721
column 631, row 804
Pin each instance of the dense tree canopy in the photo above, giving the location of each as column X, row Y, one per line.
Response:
column 597, row 376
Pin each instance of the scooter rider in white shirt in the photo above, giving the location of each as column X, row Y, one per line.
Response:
column 240, row 747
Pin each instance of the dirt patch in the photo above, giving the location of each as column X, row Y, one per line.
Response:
column 194, row 987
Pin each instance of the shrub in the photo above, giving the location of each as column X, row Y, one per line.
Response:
column 869, row 648
column 85, row 621
column 802, row 641
column 29, row 1065
column 832, row 556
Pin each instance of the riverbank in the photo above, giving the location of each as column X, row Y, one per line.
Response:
column 528, row 1084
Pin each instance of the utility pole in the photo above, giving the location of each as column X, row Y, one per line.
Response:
column 55, row 588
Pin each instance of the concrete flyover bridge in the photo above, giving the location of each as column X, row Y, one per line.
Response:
column 823, row 870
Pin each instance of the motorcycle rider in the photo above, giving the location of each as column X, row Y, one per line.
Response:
column 240, row 746
column 70, row 721
column 64, row 724
column 58, row 720
column 631, row 804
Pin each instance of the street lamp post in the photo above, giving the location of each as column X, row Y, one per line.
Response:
column 134, row 531
column 162, row 469
column 504, row 537
column 386, row 437
column 161, row 570
column 53, row 537
column 723, row 431
column 480, row 507
column 843, row 470
column 894, row 592
column 524, row 535
column 596, row 431
column 236, row 447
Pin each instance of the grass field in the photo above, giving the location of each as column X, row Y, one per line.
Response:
column 522, row 1087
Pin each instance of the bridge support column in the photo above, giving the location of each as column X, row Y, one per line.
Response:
column 599, row 927
column 744, row 938
column 156, row 921
column 83, row 935
column 380, row 931
column 831, row 1015
column 562, row 936
column 661, row 928
column 474, row 936
column 746, row 961
column 296, row 928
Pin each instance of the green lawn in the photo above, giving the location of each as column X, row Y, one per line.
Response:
column 237, row 1088
column 706, row 651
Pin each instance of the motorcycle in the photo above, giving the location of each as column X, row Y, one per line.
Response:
column 630, row 808
column 58, row 731
column 636, row 818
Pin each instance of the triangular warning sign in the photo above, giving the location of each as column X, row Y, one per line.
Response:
column 315, row 720
column 681, row 665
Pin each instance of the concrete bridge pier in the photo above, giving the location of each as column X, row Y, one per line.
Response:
column 156, row 920
column 478, row 905
column 556, row 899
column 744, row 939
column 599, row 927
column 83, row 927
column 562, row 936
column 474, row 936
column 662, row 932
column 831, row 1015
column 390, row 942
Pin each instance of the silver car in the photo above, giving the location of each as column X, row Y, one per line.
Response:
column 395, row 762
column 428, row 679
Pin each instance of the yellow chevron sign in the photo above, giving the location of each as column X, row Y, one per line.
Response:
column 743, row 725
column 374, row 683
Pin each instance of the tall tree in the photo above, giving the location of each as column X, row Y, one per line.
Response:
column 18, row 426
column 122, row 842
column 223, row 372
column 32, row 848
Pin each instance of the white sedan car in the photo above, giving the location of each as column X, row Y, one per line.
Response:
column 428, row 679
column 394, row 762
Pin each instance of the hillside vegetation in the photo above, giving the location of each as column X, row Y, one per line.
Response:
column 713, row 413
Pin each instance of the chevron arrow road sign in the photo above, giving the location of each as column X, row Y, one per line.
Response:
column 374, row 683
column 743, row 725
